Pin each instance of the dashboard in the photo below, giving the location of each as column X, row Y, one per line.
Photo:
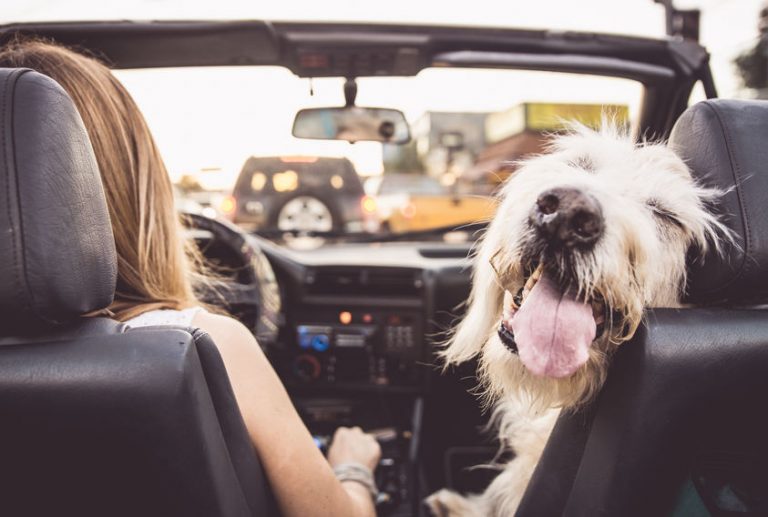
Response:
column 361, row 317
column 361, row 324
column 354, row 332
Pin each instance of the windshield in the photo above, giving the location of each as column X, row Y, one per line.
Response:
column 225, row 133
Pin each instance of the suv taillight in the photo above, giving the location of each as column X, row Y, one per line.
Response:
column 228, row 206
column 368, row 204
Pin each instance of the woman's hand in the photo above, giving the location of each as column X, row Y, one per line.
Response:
column 352, row 445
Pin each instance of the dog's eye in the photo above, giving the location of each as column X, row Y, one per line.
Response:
column 583, row 162
column 663, row 213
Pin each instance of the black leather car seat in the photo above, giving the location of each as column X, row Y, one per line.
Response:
column 681, row 422
column 95, row 418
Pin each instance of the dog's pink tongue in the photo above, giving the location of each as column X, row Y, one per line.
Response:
column 553, row 330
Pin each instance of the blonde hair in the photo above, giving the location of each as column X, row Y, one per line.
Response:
column 155, row 264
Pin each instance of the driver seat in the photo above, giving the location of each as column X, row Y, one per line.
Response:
column 97, row 419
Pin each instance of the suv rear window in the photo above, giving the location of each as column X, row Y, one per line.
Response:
column 278, row 175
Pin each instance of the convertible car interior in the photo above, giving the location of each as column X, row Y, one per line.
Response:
column 101, row 419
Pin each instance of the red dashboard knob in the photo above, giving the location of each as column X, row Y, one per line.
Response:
column 307, row 367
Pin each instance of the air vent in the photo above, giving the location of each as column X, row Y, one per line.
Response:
column 365, row 281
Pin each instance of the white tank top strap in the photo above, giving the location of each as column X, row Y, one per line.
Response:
column 182, row 318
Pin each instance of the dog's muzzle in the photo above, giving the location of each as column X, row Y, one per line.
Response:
column 568, row 217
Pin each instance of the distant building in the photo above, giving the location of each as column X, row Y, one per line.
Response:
column 479, row 150
column 429, row 129
column 523, row 130
column 430, row 134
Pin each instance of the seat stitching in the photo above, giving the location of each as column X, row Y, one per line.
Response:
column 736, row 172
column 32, row 304
column 18, row 284
column 198, row 333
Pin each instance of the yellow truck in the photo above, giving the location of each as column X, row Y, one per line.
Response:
column 412, row 202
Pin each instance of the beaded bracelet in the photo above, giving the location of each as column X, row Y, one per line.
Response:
column 359, row 474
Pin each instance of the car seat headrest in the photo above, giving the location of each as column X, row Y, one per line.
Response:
column 57, row 251
column 725, row 144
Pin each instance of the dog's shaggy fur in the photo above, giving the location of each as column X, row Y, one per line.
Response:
column 653, row 214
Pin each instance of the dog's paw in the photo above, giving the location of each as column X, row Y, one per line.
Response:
column 446, row 503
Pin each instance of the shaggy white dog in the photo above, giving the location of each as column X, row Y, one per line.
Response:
column 585, row 238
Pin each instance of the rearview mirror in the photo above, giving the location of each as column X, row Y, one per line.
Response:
column 353, row 124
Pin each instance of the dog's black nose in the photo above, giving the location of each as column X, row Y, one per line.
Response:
column 568, row 216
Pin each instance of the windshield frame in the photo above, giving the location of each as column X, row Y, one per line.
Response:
column 334, row 48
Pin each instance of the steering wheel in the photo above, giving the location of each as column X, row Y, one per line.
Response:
column 245, row 284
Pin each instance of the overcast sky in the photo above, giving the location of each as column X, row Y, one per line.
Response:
column 198, row 126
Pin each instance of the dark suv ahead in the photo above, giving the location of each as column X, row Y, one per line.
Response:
column 301, row 193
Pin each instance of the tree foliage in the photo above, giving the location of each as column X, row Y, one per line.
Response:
column 752, row 66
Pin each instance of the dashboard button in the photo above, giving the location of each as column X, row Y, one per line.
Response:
column 320, row 342
column 305, row 340
column 306, row 367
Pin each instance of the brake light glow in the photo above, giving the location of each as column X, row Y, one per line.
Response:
column 228, row 205
column 368, row 204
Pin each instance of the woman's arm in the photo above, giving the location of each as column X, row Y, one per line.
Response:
column 303, row 481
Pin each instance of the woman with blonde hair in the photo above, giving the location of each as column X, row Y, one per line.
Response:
column 156, row 269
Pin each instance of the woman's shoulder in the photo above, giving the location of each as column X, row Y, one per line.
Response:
column 219, row 326
column 238, row 347
column 222, row 328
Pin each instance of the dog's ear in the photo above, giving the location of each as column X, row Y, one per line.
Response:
column 485, row 305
